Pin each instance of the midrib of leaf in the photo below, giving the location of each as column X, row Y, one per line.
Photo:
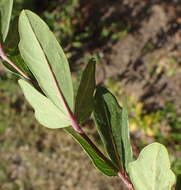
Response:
column 55, row 82
column 155, row 166
column 113, row 140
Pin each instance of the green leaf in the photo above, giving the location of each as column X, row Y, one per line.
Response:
column 46, row 60
column 5, row 15
column 127, row 149
column 107, row 114
column 45, row 111
column 152, row 169
column 105, row 167
column 84, row 99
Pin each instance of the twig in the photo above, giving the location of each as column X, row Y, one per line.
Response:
column 22, row 73
column 74, row 122
column 126, row 181
column 5, row 58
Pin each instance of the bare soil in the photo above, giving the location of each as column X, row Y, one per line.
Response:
column 142, row 61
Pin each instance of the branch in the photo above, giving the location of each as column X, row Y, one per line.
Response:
column 5, row 58
column 126, row 181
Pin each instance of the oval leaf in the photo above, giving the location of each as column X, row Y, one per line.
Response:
column 107, row 114
column 45, row 111
column 105, row 167
column 5, row 15
column 152, row 169
column 46, row 60
column 84, row 99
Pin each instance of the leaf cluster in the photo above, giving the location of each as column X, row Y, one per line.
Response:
column 47, row 85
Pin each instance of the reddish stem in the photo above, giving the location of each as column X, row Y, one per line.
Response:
column 74, row 122
column 125, row 180
column 5, row 58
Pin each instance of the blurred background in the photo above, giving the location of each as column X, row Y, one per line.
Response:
column 137, row 45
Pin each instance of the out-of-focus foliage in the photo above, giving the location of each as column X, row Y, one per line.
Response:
column 79, row 27
column 23, row 4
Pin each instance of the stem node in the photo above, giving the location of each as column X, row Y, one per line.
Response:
column 126, row 181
